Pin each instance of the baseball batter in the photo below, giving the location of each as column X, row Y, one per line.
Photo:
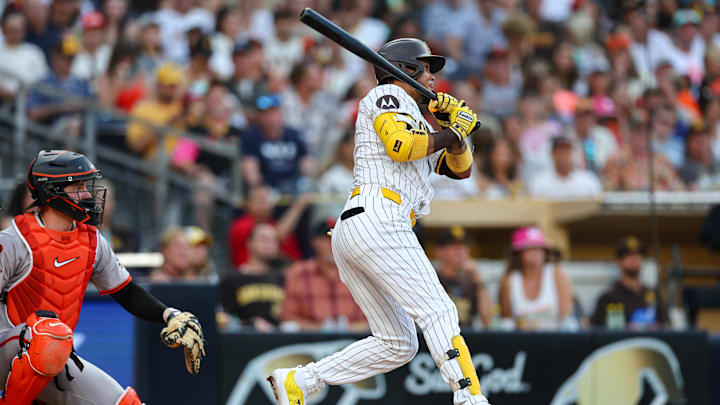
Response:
column 378, row 255
column 47, row 259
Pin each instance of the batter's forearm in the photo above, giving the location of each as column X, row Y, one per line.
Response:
column 441, row 140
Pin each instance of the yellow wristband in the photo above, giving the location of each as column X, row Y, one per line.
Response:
column 459, row 163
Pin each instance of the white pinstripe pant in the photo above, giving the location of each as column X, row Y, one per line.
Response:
column 383, row 265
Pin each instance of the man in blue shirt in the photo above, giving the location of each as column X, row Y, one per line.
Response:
column 273, row 153
column 59, row 94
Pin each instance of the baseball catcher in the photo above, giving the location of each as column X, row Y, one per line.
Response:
column 47, row 259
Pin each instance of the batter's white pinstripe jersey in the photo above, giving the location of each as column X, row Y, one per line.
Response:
column 374, row 166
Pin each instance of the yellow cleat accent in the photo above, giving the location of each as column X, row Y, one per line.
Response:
column 295, row 394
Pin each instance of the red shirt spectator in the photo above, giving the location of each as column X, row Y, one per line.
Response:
column 240, row 230
column 259, row 209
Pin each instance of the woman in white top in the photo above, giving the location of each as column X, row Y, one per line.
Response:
column 534, row 292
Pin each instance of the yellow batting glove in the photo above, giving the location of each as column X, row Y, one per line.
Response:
column 443, row 107
column 462, row 121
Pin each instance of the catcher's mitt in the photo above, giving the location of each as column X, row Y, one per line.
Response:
column 183, row 329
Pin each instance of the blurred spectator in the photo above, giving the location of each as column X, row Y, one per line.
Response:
column 338, row 178
column 564, row 181
column 259, row 209
column 199, row 254
column 587, row 54
column 223, row 41
column 536, row 130
column 628, row 169
column 701, row 170
column 285, row 49
column 150, row 57
column 175, row 249
column 315, row 298
column 641, row 307
column 336, row 182
column 311, row 111
column 502, row 85
column 164, row 109
column 58, row 98
column 217, row 127
column 460, row 277
column 115, row 12
column 273, row 153
column 249, row 75
column 711, row 109
column 622, row 68
column 257, row 21
column 594, row 144
column 356, row 18
column 123, row 84
column 175, row 21
column 564, row 65
column 255, row 293
column 642, row 36
column 22, row 64
column 684, row 48
column 48, row 26
column 500, row 170
column 534, row 292
column 662, row 124
column 121, row 238
column 199, row 75
column 463, row 14
column 37, row 13
column 93, row 60
column 20, row 201
column 487, row 32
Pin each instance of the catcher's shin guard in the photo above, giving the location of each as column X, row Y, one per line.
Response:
column 129, row 397
column 41, row 360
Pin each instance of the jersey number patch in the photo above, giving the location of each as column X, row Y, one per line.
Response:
column 387, row 102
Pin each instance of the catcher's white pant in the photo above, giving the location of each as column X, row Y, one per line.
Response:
column 383, row 265
column 91, row 386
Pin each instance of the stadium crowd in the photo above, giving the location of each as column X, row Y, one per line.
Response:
column 576, row 97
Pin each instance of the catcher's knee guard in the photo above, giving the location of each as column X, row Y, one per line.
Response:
column 461, row 354
column 41, row 360
column 129, row 397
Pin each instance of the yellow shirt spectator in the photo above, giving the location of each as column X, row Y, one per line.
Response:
column 164, row 110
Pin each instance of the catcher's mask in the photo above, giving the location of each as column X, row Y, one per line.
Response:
column 52, row 171
column 407, row 54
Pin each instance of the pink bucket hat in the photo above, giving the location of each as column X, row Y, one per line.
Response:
column 528, row 237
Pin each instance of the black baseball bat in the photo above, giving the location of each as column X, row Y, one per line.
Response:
column 319, row 23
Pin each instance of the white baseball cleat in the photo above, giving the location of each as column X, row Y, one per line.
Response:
column 288, row 385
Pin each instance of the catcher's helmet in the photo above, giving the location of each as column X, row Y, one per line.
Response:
column 53, row 170
column 407, row 54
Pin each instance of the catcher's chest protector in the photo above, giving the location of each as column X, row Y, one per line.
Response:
column 62, row 263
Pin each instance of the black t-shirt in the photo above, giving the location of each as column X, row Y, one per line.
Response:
column 645, row 307
column 220, row 166
column 279, row 158
column 463, row 293
column 248, row 296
